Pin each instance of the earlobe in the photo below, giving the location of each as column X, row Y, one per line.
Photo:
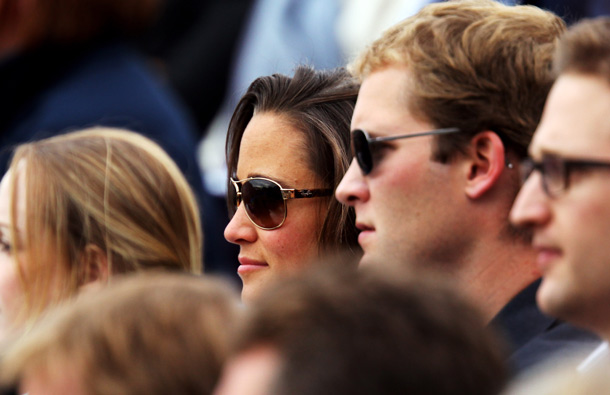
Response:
column 487, row 160
column 93, row 266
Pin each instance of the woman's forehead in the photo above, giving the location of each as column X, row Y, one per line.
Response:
column 275, row 148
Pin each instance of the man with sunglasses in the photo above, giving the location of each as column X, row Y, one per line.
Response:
column 565, row 198
column 448, row 103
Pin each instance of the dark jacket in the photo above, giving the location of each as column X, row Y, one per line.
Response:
column 533, row 337
column 55, row 89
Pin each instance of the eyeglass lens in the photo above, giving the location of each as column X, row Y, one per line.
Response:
column 553, row 174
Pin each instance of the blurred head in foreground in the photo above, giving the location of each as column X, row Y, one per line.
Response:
column 366, row 332
column 148, row 333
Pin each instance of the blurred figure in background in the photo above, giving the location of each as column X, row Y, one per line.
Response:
column 78, row 208
column 193, row 42
column 363, row 332
column 573, row 10
column 143, row 334
column 67, row 64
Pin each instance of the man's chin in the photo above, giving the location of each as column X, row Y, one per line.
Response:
column 554, row 300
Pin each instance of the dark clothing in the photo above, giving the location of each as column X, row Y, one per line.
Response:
column 57, row 89
column 533, row 336
column 574, row 10
column 196, row 41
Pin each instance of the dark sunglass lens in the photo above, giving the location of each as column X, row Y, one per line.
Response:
column 264, row 203
column 362, row 151
column 232, row 199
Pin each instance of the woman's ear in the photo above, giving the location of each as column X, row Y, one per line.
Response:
column 487, row 163
column 94, row 266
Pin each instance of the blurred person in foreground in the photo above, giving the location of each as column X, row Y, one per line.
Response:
column 363, row 332
column 564, row 200
column 68, row 64
column 142, row 334
column 448, row 103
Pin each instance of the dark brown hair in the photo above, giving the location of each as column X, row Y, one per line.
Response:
column 476, row 65
column 320, row 105
column 585, row 48
column 373, row 332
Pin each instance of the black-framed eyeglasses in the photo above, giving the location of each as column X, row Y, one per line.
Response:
column 363, row 145
column 555, row 171
column 265, row 200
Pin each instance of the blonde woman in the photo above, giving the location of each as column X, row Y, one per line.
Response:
column 78, row 208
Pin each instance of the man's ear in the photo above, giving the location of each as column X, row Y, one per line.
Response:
column 94, row 266
column 487, row 161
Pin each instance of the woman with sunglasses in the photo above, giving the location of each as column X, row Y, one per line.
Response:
column 287, row 150
column 78, row 208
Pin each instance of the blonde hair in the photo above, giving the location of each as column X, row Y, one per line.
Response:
column 475, row 65
column 110, row 189
column 143, row 334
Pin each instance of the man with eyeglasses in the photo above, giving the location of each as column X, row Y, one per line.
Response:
column 448, row 103
column 566, row 196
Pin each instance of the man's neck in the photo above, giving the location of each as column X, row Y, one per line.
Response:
column 495, row 273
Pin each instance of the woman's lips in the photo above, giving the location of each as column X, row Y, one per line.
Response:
column 363, row 227
column 247, row 265
column 366, row 233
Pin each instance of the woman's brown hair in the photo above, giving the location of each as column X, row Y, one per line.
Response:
column 320, row 105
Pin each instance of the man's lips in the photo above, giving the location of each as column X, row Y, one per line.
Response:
column 545, row 256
